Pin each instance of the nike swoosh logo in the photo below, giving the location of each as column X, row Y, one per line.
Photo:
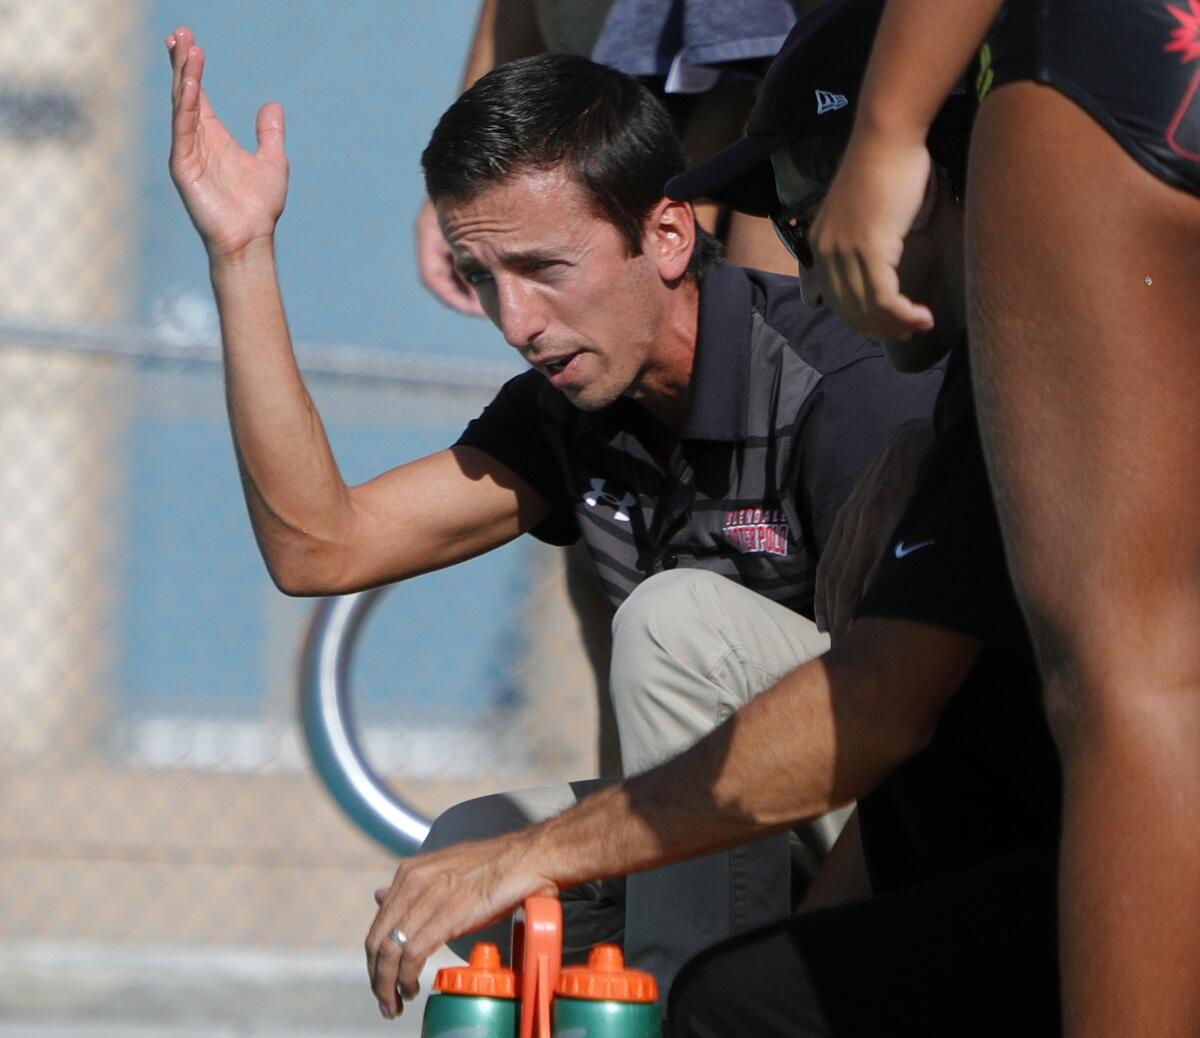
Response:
column 903, row 549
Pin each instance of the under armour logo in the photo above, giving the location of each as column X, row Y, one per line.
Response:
column 598, row 495
column 827, row 102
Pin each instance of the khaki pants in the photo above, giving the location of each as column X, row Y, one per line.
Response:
column 689, row 649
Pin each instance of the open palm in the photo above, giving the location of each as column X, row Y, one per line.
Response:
column 233, row 197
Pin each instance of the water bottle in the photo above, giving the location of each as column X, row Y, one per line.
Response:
column 479, row 999
column 605, row 1000
column 541, row 998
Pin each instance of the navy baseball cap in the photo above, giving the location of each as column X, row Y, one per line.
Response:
column 810, row 90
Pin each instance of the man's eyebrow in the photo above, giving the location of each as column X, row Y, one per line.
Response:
column 524, row 257
column 518, row 259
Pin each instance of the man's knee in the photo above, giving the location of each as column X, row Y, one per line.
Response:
column 663, row 606
column 475, row 819
column 685, row 612
column 687, row 626
column 663, row 641
column 669, row 621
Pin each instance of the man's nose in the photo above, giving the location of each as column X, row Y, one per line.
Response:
column 521, row 316
column 810, row 289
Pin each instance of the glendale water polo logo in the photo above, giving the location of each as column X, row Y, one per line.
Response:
column 1183, row 135
column 757, row 531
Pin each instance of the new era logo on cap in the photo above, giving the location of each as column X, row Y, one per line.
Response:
column 827, row 102
column 829, row 45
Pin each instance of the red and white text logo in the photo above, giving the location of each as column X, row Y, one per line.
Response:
column 757, row 531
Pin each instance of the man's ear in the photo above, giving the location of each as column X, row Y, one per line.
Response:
column 670, row 237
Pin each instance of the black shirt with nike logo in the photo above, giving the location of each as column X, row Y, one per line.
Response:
column 988, row 782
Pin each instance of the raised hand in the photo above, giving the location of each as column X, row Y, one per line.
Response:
column 233, row 197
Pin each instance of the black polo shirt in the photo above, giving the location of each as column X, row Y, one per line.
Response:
column 988, row 782
column 788, row 406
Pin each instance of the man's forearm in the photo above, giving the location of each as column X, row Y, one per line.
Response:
column 294, row 491
column 822, row 736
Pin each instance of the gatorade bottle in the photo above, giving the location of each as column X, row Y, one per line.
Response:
column 478, row 999
column 605, row 1000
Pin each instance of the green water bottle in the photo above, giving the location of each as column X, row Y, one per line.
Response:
column 605, row 1000
column 478, row 999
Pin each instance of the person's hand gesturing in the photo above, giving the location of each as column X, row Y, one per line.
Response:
column 234, row 197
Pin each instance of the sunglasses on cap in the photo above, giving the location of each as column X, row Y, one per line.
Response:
column 792, row 222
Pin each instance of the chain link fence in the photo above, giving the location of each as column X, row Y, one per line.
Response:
column 155, row 792
column 156, row 785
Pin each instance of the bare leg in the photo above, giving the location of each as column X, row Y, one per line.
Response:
column 1084, row 284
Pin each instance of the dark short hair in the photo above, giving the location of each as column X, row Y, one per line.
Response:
column 614, row 137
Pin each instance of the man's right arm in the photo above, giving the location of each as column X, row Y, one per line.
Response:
column 317, row 535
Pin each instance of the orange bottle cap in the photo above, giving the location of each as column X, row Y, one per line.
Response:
column 484, row 976
column 605, row 979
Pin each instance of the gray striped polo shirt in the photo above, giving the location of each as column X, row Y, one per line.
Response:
column 788, row 407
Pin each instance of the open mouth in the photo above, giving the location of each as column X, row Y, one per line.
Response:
column 559, row 364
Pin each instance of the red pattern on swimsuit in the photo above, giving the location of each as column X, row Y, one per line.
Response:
column 1183, row 135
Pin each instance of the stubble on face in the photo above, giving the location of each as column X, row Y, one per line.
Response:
column 559, row 282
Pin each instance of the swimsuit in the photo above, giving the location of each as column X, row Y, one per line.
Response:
column 1133, row 65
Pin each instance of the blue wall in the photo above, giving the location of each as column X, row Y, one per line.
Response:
column 363, row 84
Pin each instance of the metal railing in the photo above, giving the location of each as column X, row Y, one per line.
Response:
column 328, row 721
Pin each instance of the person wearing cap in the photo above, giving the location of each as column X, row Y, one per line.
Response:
column 682, row 415
column 776, row 413
column 940, row 916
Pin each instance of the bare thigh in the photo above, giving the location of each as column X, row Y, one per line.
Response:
column 1084, row 290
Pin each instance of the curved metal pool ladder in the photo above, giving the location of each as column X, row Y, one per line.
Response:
column 327, row 719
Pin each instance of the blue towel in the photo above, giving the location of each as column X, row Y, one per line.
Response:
column 644, row 37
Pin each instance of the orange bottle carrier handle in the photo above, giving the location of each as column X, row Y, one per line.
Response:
column 537, row 948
